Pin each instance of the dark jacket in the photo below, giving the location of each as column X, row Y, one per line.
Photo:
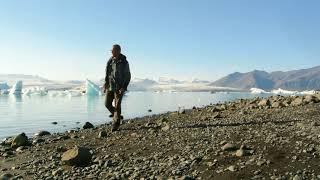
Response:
column 117, row 73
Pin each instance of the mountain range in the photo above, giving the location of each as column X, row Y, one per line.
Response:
column 304, row 79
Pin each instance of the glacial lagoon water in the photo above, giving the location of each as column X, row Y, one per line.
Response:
column 31, row 114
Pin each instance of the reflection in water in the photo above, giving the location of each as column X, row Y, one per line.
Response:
column 16, row 97
column 92, row 103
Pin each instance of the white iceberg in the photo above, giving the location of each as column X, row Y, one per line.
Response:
column 92, row 89
column 41, row 91
column 258, row 91
column 308, row 92
column 73, row 93
column 16, row 88
column 282, row 91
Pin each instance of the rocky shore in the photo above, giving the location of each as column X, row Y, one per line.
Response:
column 273, row 138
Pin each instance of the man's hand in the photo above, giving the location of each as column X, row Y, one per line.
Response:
column 105, row 88
column 121, row 91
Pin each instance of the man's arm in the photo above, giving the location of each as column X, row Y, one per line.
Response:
column 106, row 79
column 127, row 77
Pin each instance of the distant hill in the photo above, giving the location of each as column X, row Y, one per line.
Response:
column 27, row 79
column 35, row 80
column 304, row 79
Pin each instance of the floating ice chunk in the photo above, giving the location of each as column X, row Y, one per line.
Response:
column 16, row 88
column 258, row 91
column 73, row 93
column 4, row 91
column 41, row 91
column 308, row 92
column 92, row 89
column 53, row 93
column 282, row 91
column 4, row 86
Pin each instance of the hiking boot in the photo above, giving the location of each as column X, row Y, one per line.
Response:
column 111, row 115
column 115, row 127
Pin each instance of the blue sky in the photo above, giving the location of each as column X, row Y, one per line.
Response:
column 207, row 39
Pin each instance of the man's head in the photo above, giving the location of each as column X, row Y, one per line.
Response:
column 116, row 50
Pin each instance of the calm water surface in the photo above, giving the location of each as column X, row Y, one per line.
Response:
column 31, row 114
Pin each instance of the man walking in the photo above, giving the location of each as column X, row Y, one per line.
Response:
column 117, row 79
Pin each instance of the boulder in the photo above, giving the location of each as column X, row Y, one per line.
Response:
column 298, row 101
column 77, row 156
column 181, row 111
column 241, row 152
column 215, row 109
column 37, row 141
column 228, row 147
column 264, row 102
column 42, row 133
column 7, row 141
column 20, row 140
column 102, row 134
column 162, row 121
column 277, row 104
column 217, row 115
column 166, row 127
column 317, row 95
column 6, row 176
column 311, row 99
column 88, row 125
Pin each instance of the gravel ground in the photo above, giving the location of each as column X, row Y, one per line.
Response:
column 274, row 138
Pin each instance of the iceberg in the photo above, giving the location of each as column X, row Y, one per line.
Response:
column 4, row 86
column 258, row 91
column 92, row 89
column 308, row 92
column 42, row 91
column 16, row 88
column 73, row 93
column 282, row 91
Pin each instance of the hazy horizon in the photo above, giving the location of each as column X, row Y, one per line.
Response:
column 155, row 78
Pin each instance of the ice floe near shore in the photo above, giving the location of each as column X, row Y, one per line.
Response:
column 92, row 89
column 281, row 92
column 257, row 91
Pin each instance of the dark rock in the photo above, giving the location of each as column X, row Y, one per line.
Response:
column 102, row 134
column 77, row 156
column 215, row 109
column 20, row 140
column 181, row 111
column 186, row 178
column 54, row 123
column 88, row 125
column 6, row 176
column 217, row 115
column 37, row 141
